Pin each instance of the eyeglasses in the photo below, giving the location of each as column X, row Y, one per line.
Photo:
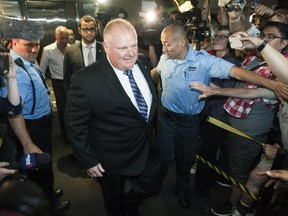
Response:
column 88, row 29
column 220, row 37
column 269, row 37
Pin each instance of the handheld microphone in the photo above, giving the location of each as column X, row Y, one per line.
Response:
column 31, row 161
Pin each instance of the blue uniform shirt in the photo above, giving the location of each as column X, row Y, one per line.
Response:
column 42, row 104
column 177, row 74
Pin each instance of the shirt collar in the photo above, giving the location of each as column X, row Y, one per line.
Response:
column 85, row 45
column 16, row 56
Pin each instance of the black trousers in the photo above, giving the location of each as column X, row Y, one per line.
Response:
column 148, row 183
column 60, row 96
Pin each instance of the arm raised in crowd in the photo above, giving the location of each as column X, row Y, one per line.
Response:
column 277, row 62
column 13, row 93
column 16, row 121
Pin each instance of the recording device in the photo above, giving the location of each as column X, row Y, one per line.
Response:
column 195, row 28
column 4, row 60
column 31, row 162
column 235, row 42
column 254, row 4
column 235, row 5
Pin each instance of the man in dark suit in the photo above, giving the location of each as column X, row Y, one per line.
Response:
column 110, row 133
column 76, row 56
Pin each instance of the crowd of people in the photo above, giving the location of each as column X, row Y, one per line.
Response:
column 107, row 101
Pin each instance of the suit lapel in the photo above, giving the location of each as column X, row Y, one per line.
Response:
column 80, row 53
column 146, row 73
column 115, row 86
column 98, row 50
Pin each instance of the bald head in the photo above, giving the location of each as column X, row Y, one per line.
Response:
column 175, row 30
column 116, row 26
column 60, row 29
column 174, row 41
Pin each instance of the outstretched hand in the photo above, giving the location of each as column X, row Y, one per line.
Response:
column 281, row 91
column 205, row 90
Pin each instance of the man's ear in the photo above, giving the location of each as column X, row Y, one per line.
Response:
column 183, row 42
column 284, row 43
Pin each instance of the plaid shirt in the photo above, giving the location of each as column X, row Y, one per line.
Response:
column 239, row 107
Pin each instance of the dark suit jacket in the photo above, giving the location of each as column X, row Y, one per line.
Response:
column 103, row 124
column 74, row 61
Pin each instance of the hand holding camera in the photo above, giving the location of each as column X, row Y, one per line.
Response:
column 4, row 60
column 11, row 72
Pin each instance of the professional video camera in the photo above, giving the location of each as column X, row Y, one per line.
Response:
column 4, row 60
column 195, row 28
column 235, row 5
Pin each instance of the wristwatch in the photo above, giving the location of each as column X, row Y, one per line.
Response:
column 262, row 46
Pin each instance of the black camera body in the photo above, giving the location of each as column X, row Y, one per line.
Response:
column 196, row 29
column 4, row 60
column 235, row 5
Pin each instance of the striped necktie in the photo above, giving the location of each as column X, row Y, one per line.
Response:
column 143, row 108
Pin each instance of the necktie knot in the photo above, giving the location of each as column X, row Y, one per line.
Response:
column 128, row 72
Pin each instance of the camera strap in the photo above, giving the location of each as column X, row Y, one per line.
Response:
column 20, row 63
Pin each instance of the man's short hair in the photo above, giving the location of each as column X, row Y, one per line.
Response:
column 87, row 18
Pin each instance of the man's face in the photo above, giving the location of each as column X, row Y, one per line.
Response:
column 62, row 38
column 277, row 42
column 172, row 46
column 26, row 49
column 221, row 40
column 88, row 32
column 121, row 48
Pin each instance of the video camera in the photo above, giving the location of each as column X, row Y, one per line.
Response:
column 4, row 60
column 235, row 5
column 195, row 28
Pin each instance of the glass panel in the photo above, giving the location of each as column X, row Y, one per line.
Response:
column 10, row 8
column 47, row 11
column 89, row 9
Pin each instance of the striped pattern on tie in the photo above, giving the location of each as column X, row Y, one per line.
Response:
column 143, row 108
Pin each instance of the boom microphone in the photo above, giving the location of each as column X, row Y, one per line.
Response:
column 31, row 161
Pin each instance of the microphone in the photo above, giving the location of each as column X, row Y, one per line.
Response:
column 32, row 162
